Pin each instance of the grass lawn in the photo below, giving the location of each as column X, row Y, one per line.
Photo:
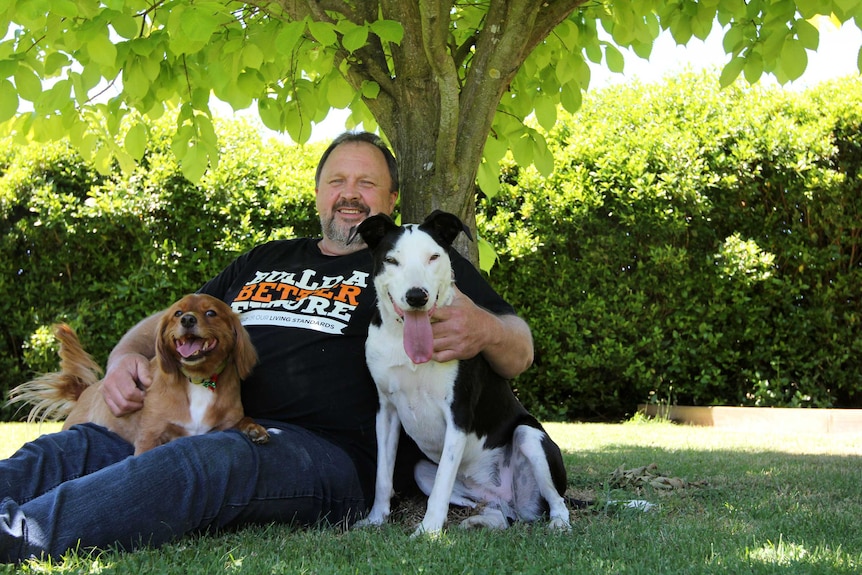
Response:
column 724, row 503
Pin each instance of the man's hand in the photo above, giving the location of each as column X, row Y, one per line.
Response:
column 463, row 330
column 125, row 383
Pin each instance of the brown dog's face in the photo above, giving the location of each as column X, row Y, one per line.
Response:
column 198, row 334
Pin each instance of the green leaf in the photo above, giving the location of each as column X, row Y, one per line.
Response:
column 487, row 255
column 28, row 83
column 323, row 32
column 568, row 33
column 252, row 56
column 388, row 31
column 546, row 111
column 753, row 68
column 370, row 89
column 339, row 93
column 135, row 141
column 102, row 51
column 8, row 100
column 794, row 59
column 731, row 71
column 807, row 34
column 571, row 97
column 543, row 159
column 494, row 150
column 298, row 126
column 270, row 112
column 64, row 8
column 125, row 25
column 355, row 38
column 523, row 149
column 54, row 63
column 194, row 163
column 615, row 60
column 488, row 178
column 288, row 37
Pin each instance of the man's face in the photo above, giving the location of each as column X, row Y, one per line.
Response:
column 354, row 184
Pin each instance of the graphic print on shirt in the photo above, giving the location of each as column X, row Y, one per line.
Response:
column 305, row 300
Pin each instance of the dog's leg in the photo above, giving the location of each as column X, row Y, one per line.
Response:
column 488, row 518
column 444, row 482
column 149, row 436
column 388, row 430
column 252, row 430
column 535, row 473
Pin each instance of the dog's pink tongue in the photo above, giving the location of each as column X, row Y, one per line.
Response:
column 189, row 347
column 418, row 340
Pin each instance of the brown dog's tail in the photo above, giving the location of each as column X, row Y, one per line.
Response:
column 53, row 395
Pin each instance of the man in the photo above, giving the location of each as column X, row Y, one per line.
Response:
column 307, row 304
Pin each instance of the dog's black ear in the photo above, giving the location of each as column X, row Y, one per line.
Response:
column 373, row 229
column 445, row 226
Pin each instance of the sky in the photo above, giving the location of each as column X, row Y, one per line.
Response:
column 834, row 58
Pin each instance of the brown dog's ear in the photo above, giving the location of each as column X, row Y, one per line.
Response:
column 244, row 353
column 165, row 352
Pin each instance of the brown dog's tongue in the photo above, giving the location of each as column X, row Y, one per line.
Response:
column 418, row 340
column 189, row 347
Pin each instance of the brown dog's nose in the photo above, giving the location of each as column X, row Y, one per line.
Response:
column 188, row 321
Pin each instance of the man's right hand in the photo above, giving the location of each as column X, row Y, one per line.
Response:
column 125, row 383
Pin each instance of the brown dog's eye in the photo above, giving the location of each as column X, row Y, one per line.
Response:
column 211, row 313
column 178, row 313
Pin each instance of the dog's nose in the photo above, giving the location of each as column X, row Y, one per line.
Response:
column 188, row 320
column 416, row 297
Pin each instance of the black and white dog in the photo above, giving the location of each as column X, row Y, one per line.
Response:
column 488, row 450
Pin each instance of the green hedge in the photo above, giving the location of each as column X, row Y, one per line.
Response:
column 102, row 253
column 694, row 245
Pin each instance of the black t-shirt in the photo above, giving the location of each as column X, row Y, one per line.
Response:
column 308, row 316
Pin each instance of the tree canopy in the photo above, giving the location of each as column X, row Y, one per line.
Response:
column 449, row 84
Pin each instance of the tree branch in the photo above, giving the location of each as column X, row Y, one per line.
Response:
column 435, row 22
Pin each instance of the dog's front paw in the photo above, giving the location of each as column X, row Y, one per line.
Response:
column 429, row 531
column 253, row 431
column 374, row 519
column 559, row 524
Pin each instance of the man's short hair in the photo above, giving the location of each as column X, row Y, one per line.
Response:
column 368, row 138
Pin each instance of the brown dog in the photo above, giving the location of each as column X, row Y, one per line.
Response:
column 202, row 354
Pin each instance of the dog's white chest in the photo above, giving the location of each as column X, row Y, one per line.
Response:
column 422, row 394
column 200, row 399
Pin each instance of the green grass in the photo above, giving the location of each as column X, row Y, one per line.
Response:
column 752, row 504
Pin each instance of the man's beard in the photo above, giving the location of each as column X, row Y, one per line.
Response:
column 341, row 234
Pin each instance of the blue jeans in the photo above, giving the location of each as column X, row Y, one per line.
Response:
column 81, row 488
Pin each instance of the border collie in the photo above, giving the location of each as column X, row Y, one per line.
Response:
column 487, row 450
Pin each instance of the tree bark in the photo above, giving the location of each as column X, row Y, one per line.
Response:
column 435, row 109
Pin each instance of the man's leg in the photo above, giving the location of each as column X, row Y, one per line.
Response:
column 46, row 462
column 190, row 484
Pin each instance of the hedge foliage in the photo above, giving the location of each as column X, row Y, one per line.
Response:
column 102, row 253
column 693, row 245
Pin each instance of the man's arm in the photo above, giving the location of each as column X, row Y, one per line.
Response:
column 127, row 375
column 463, row 330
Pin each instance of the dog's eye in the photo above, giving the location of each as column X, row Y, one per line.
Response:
column 178, row 313
column 211, row 313
column 434, row 257
column 390, row 260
